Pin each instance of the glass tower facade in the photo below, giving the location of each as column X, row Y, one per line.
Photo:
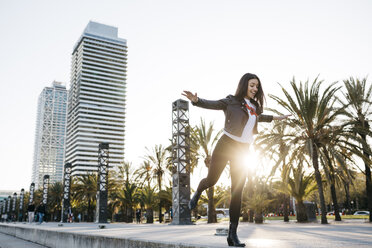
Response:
column 96, row 103
column 50, row 134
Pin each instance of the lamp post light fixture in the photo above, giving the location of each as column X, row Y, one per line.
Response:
column 8, row 207
column 45, row 193
column 32, row 190
column 21, row 199
column 14, row 207
column 45, row 189
column 181, row 163
column 102, row 182
column 1, row 210
column 66, row 192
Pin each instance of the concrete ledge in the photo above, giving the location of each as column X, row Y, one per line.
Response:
column 58, row 239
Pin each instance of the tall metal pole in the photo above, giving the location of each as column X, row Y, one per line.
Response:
column 32, row 190
column 66, row 192
column 1, row 210
column 8, row 207
column 21, row 199
column 102, row 182
column 45, row 194
column 45, row 189
column 14, row 207
column 181, row 163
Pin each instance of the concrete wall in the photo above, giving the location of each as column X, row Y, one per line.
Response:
column 58, row 239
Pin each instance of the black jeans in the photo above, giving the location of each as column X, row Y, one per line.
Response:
column 228, row 150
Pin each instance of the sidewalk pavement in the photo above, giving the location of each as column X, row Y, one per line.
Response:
column 348, row 233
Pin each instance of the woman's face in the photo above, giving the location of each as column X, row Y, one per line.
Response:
column 252, row 88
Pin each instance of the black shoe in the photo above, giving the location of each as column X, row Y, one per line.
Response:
column 232, row 239
column 194, row 200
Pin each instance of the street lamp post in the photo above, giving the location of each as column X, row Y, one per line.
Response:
column 102, row 182
column 14, row 207
column 21, row 199
column 181, row 163
column 32, row 190
column 66, row 192
column 1, row 210
column 45, row 193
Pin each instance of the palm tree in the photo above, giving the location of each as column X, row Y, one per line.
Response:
column 206, row 140
column 55, row 195
column 336, row 157
column 158, row 159
column 165, row 196
column 259, row 199
column 276, row 143
column 124, row 195
column 144, row 174
column 313, row 115
column 149, row 201
column 299, row 185
column 84, row 191
column 358, row 102
column 126, row 199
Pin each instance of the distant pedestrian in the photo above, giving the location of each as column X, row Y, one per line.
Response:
column 31, row 212
column 138, row 216
column 79, row 217
column 41, row 212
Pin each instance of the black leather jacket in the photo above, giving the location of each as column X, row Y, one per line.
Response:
column 236, row 114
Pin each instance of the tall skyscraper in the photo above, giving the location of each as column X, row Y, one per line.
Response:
column 96, row 104
column 50, row 134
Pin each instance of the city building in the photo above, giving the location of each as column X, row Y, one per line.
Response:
column 97, row 94
column 50, row 134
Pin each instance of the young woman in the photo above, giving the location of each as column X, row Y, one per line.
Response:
column 242, row 112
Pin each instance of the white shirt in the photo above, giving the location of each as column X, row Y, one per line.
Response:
column 247, row 135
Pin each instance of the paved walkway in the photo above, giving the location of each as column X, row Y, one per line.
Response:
column 348, row 233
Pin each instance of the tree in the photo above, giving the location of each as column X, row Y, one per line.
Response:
column 125, row 195
column 313, row 115
column 55, row 195
column 158, row 159
column 206, row 140
column 358, row 103
column 149, row 201
column 299, row 185
column 144, row 174
column 259, row 200
column 84, row 192
column 277, row 143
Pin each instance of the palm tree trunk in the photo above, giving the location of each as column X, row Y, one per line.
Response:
column 149, row 216
column 90, row 215
column 258, row 219
column 245, row 216
column 347, row 192
column 251, row 215
column 160, row 216
column 212, row 217
column 368, row 175
column 301, row 212
column 318, row 178
column 285, row 208
column 335, row 203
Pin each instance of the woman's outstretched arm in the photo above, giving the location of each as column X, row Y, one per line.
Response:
column 192, row 97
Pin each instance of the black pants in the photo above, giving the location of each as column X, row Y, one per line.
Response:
column 228, row 150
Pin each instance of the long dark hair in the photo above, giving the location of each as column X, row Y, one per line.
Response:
column 241, row 91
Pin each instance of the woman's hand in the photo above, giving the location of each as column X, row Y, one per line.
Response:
column 281, row 117
column 192, row 97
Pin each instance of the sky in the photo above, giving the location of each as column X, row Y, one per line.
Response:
column 204, row 46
